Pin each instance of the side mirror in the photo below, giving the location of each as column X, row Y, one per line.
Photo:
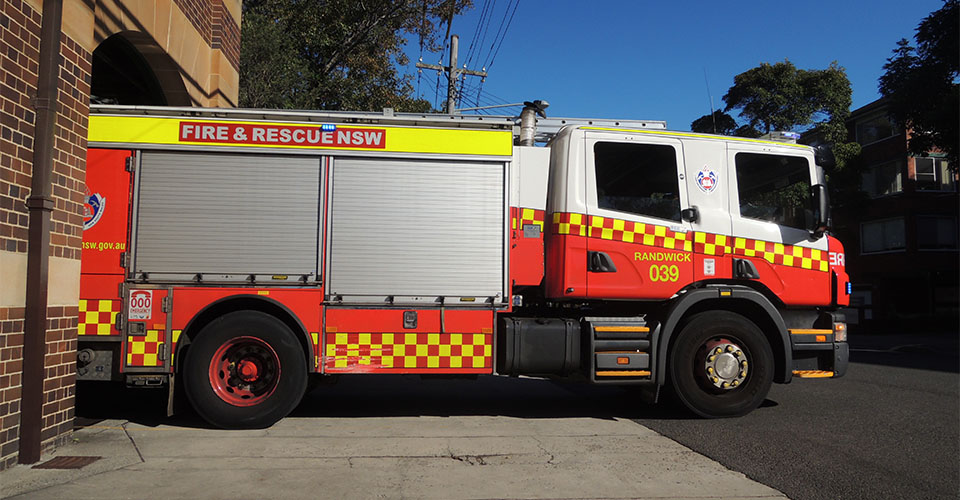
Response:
column 818, row 215
column 823, row 155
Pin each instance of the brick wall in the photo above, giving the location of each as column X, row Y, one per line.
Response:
column 19, row 53
column 60, row 367
column 19, row 58
column 11, row 366
column 69, row 167
column 226, row 33
column 199, row 13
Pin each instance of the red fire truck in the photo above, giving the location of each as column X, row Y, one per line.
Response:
column 239, row 254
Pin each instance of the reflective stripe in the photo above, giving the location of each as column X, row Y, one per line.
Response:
column 607, row 228
column 167, row 130
column 143, row 351
column 399, row 351
column 527, row 216
column 97, row 317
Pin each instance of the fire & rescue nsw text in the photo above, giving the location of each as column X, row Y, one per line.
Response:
column 282, row 135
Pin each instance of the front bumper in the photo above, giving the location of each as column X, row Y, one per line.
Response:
column 820, row 360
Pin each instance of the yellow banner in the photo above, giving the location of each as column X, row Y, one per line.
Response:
column 145, row 130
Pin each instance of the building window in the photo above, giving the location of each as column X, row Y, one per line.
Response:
column 773, row 188
column 875, row 129
column 638, row 178
column 933, row 174
column 886, row 235
column 936, row 232
column 882, row 179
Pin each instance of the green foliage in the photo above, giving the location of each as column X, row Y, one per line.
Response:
column 781, row 97
column 336, row 54
column 717, row 123
column 921, row 83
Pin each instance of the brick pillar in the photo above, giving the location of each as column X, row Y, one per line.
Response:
column 19, row 54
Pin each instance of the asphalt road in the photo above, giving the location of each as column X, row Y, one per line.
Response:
column 887, row 429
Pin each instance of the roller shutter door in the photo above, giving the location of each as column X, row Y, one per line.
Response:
column 417, row 228
column 227, row 214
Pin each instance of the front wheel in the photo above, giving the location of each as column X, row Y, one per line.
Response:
column 721, row 365
column 246, row 369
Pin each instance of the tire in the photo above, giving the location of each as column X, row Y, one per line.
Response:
column 245, row 370
column 730, row 382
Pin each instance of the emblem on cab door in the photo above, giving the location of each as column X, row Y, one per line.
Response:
column 707, row 179
column 93, row 207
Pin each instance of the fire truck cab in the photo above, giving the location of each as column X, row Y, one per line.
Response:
column 242, row 252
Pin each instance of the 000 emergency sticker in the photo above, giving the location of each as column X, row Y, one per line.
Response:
column 141, row 304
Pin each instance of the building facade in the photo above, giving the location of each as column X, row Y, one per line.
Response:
column 163, row 52
column 900, row 234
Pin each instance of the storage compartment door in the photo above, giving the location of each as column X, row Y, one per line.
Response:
column 418, row 231
column 227, row 216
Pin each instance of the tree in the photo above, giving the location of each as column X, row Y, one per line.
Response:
column 921, row 83
column 336, row 54
column 781, row 97
column 717, row 123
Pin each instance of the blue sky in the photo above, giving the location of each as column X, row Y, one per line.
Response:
column 646, row 60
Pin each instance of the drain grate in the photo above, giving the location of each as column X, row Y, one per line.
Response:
column 67, row 462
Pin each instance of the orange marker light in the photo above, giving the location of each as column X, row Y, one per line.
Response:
column 623, row 361
column 821, row 338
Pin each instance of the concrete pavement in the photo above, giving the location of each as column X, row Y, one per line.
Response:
column 463, row 455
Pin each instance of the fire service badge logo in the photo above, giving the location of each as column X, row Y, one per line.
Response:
column 707, row 179
column 93, row 206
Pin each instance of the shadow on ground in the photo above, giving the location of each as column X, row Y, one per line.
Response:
column 361, row 396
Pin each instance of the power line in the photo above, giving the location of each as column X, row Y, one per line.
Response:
column 476, row 31
column 486, row 28
column 503, row 22
column 502, row 38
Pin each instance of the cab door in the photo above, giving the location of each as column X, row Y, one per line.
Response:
column 638, row 245
column 769, row 201
column 105, row 234
column 708, row 188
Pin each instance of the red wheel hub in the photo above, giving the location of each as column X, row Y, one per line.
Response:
column 248, row 370
column 244, row 371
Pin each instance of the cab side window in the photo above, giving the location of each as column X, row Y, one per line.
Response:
column 638, row 178
column 773, row 188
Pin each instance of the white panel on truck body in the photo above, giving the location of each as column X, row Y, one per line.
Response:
column 528, row 180
column 708, row 180
column 417, row 231
column 227, row 216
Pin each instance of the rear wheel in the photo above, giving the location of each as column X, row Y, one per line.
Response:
column 246, row 369
column 721, row 365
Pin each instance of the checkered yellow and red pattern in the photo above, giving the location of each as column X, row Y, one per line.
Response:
column 607, row 228
column 785, row 255
column 97, row 317
column 409, row 351
column 523, row 216
column 317, row 350
column 175, row 334
column 705, row 243
column 144, row 351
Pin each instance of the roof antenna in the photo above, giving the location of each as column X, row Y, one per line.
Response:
column 712, row 116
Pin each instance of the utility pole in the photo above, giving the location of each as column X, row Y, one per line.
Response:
column 453, row 73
